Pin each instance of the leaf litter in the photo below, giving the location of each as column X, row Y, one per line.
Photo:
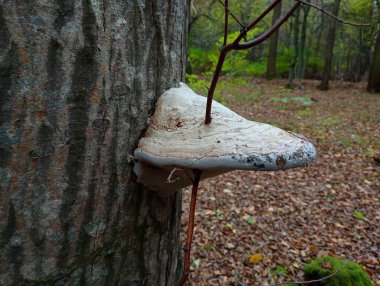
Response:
column 258, row 228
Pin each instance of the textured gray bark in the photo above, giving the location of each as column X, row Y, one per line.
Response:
column 78, row 81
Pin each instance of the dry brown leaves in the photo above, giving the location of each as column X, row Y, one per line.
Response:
column 257, row 228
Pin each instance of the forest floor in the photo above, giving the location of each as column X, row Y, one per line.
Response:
column 261, row 228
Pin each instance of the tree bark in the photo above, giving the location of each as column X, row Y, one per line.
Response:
column 324, row 85
column 273, row 44
column 78, row 82
column 374, row 74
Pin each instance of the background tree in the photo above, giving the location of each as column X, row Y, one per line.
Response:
column 273, row 43
column 348, row 64
column 303, row 50
column 330, row 40
column 293, row 64
column 374, row 74
column 78, row 81
column 203, row 11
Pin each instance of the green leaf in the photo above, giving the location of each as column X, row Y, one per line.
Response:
column 208, row 247
column 359, row 215
column 218, row 213
column 251, row 220
column 279, row 270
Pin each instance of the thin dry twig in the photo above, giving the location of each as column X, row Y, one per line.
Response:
column 256, row 21
column 332, row 16
column 190, row 228
column 316, row 280
column 232, row 15
column 270, row 31
column 225, row 23
column 170, row 179
column 193, row 7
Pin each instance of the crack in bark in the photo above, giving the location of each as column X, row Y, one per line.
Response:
column 84, row 79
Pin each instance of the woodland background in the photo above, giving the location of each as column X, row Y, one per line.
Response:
column 260, row 228
column 303, row 41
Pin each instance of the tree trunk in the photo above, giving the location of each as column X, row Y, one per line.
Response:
column 273, row 44
column 293, row 64
column 324, row 85
column 302, row 53
column 78, row 81
column 374, row 74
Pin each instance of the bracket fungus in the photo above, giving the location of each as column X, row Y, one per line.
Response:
column 178, row 141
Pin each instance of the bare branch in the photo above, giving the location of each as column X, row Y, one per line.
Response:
column 271, row 30
column 214, row 81
column 316, row 280
column 233, row 16
column 256, row 21
column 236, row 45
column 197, row 15
column 190, row 228
column 225, row 23
column 228, row 48
column 332, row 16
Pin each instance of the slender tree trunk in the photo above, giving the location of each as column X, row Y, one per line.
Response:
column 365, row 59
column 78, row 81
column 293, row 64
column 307, row 56
column 302, row 54
column 273, row 44
column 324, row 85
column 319, row 33
column 374, row 74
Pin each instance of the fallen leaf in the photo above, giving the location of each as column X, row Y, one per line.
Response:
column 251, row 220
column 327, row 265
column 359, row 215
column 313, row 247
column 255, row 258
column 197, row 262
column 230, row 245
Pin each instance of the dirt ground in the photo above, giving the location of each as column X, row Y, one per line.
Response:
column 259, row 228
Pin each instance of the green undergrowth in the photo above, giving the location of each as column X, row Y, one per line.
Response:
column 345, row 273
column 305, row 101
column 240, row 64
column 230, row 90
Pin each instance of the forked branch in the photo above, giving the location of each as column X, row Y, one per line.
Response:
column 226, row 11
column 235, row 45
column 333, row 16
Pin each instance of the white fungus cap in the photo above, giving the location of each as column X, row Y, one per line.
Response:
column 177, row 141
